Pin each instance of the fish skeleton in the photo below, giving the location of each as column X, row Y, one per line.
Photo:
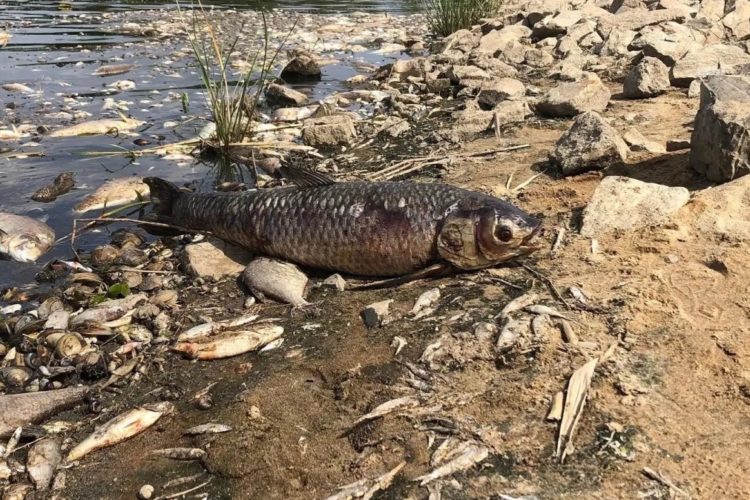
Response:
column 362, row 228
column 24, row 239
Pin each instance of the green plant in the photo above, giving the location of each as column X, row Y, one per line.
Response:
column 448, row 16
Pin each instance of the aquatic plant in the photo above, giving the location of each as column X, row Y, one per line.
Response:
column 448, row 16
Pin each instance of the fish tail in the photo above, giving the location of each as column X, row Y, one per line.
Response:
column 163, row 195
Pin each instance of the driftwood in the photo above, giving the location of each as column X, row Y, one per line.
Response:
column 18, row 410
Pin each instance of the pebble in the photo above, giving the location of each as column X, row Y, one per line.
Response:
column 146, row 492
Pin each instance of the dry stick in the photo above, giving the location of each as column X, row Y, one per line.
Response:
column 106, row 214
column 183, row 493
column 549, row 284
column 526, row 182
column 657, row 476
column 558, row 241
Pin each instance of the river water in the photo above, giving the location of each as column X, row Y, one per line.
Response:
column 54, row 48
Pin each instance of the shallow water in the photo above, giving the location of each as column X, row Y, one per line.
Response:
column 54, row 49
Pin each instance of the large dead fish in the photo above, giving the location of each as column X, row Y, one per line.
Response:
column 24, row 239
column 98, row 127
column 362, row 228
column 114, row 193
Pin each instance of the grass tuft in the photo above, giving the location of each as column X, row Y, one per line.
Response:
column 448, row 16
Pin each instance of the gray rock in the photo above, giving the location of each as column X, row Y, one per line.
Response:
column 720, row 149
column 329, row 131
column 677, row 144
column 335, row 281
column 276, row 279
column 278, row 95
column 557, row 24
column 737, row 22
column 467, row 76
column 215, row 259
column 714, row 59
column 507, row 112
column 589, row 144
column 303, row 66
column 495, row 67
column 495, row 91
column 625, row 204
column 617, row 42
column 637, row 19
column 572, row 98
column 472, row 120
column 499, row 41
column 538, row 58
column 377, row 314
column 668, row 42
column 694, row 90
column 722, row 211
column 462, row 40
column 649, row 78
column 633, row 138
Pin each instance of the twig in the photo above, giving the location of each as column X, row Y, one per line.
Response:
column 558, row 241
column 116, row 211
column 526, row 182
column 657, row 476
column 183, row 493
column 549, row 284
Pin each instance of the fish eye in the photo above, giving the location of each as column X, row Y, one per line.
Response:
column 504, row 233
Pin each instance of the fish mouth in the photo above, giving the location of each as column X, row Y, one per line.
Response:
column 532, row 241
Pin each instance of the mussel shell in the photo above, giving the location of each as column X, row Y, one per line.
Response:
column 128, row 238
column 28, row 324
column 16, row 376
column 49, row 306
column 104, row 255
column 66, row 344
column 133, row 256
column 90, row 279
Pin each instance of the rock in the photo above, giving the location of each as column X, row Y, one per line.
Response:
column 668, row 42
column 617, row 42
column 722, row 211
column 622, row 203
column 737, row 22
column 555, row 25
column 639, row 18
column 714, row 59
column 44, row 457
column 499, row 41
column 507, row 112
column 694, row 90
column 571, row 98
column 329, row 131
column 146, row 492
column 462, row 40
column 589, row 144
column 538, row 58
column 377, row 314
column 466, row 76
column 493, row 92
column 215, row 259
column 637, row 142
column 472, row 120
column 649, row 78
column 276, row 279
column 404, row 68
column 720, row 149
column 278, row 95
column 395, row 127
column 57, row 320
column 495, row 67
column 303, row 66
column 336, row 281
column 624, row 5
column 677, row 144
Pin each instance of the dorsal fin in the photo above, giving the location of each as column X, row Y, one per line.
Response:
column 305, row 177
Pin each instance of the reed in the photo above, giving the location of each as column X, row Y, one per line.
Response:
column 448, row 16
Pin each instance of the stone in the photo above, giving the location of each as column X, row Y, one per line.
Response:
column 466, row 76
column 493, row 92
column 377, row 314
column 569, row 99
column 712, row 59
column 626, row 204
column 335, row 281
column 538, row 58
column 215, row 259
column 499, row 41
column 472, row 120
column 328, row 131
column 146, row 492
column 507, row 112
column 557, row 24
column 589, row 144
column 303, row 66
column 648, row 78
column 720, row 149
column 637, row 142
column 279, row 95
column 694, row 90
column 639, row 18
column 276, row 279
column 394, row 127
column 624, row 5
column 462, row 40
column 722, row 211
column 404, row 68
column 669, row 42
column 495, row 67
column 616, row 44
column 737, row 22
column 677, row 144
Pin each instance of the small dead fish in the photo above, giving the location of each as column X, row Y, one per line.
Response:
column 510, row 334
column 207, row 429
column 388, row 407
column 18, row 87
column 540, row 309
column 120, row 428
column 469, row 457
column 230, row 343
column 44, row 457
column 293, row 114
column 180, row 453
column 114, row 193
column 62, row 184
column 113, row 69
column 122, row 85
column 425, row 302
column 108, row 311
column 366, row 488
column 517, row 304
column 98, row 127
column 212, row 327
column 276, row 279
column 24, row 239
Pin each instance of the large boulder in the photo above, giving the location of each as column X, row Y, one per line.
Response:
column 495, row 91
column 499, row 41
column 720, row 146
column 625, row 204
column 714, row 59
column 648, row 78
column 329, row 131
column 569, row 99
column 589, row 144
column 722, row 211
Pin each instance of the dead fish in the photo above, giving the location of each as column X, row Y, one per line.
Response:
column 18, row 87
column 24, row 239
column 113, row 69
column 541, row 309
column 366, row 488
column 276, row 279
column 510, row 334
column 388, row 407
column 363, row 228
column 230, row 343
column 424, row 303
column 98, row 127
column 4, row 38
column 180, row 453
column 122, row 85
column 517, row 304
column 114, row 193
column 207, row 429
column 61, row 185
column 44, row 457
column 471, row 455
column 23, row 409
column 109, row 310
column 120, row 428
column 212, row 327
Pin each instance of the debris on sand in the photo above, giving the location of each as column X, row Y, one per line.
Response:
column 575, row 399
column 214, row 327
column 377, row 314
column 464, row 457
column 120, row 428
column 207, row 429
column 113, row 69
column 365, row 489
column 17, row 410
column 425, row 303
column 388, row 407
column 62, row 184
column 184, row 454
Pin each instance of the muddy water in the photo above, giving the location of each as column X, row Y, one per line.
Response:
column 55, row 48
